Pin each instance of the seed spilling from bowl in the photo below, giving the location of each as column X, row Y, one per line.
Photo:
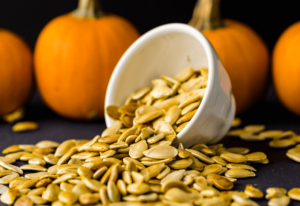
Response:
column 172, row 100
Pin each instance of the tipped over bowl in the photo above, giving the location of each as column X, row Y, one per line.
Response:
column 167, row 50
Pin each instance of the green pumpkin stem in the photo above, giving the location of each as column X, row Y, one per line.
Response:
column 206, row 15
column 88, row 9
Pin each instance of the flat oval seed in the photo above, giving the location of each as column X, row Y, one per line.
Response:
column 138, row 188
column 37, row 199
column 24, row 201
column 8, row 178
column 137, row 149
column 235, row 158
column 238, row 150
column 236, row 122
column 43, row 182
column 11, row 167
column 3, row 189
column 240, row 166
column 239, row 173
column 149, row 116
column 33, row 168
column 103, row 195
column 211, row 169
column 113, row 192
column 201, row 156
column 6, row 172
column 88, row 199
column 294, row 194
column 219, row 160
column 112, row 112
column 172, row 115
column 279, row 201
column 294, row 156
column 37, row 161
column 37, row 191
column 178, row 195
column 221, row 182
column 256, row 157
column 152, row 171
column 92, row 184
column 64, row 147
column 84, row 172
column 176, row 184
column 122, row 187
column 253, row 192
column 67, row 197
column 47, row 144
column 181, row 164
column 255, row 128
column 51, row 159
column 275, row 192
column 282, row 143
column 51, row 193
column 80, row 188
column 175, row 175
column 66, row 186
column 155, row 138
column 161, row 152
column 25, row 126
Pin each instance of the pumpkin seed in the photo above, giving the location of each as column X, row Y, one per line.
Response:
column 239, row 173
column 127, row 177
column 238, row 132
column 294, row 194
column 37, row 199
column 88, row 198
column 256, row 157
column 84, row 172
column 15, row 156
column 275, row 192
column 25, row 126
column 161, row 152
column 121, row 185
column 255, row 128
column 67, row 156
column 3, row 189
column 137, row 177
column 220, row 182
column 178, row 195
column 253, row 192
column 24, row 201
column 27, row 147
column 149, row 116
column 243, row 200
column 11, row 167
column 185, row 74
column 164, row 173
column 6, row 172
column 155, row 138
column 33, row 168
column 238, row 150
column 234, row 158
column 37, row 161
column 103, row 195
column 43, row 151
column 8, row 178
column 211, row 169
column 187, row 117
column 51, row 193
column 111, row 131
column 152, row 171
column 64, row 147
column 181, row 164
column 66, row 186
column 172, row 115
column 219, row 160
column 279, row 201
column 240, row 166
column 183, row 153
column 137, row 149
column 113, row 192
column 80, row 188
column 112, row 112
column 92, row 184
column 201, row 156
column 175, row 184
column 282, row 143
column 64, row 178
column 27, row 184
column 138, row 188
column 181, row 127
column 47, row 144
column 196, row 165
column 236, row 122
column 14, row 116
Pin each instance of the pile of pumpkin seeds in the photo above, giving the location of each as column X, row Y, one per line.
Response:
column 279, row 139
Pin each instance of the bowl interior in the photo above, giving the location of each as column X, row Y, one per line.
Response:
column 162, row 52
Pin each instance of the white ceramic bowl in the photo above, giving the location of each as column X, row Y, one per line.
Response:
column 166, row 50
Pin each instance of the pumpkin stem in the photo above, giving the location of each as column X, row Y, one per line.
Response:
column 206, row 15
column 88, row 9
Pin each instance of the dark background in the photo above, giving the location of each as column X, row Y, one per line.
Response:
column 269, row 18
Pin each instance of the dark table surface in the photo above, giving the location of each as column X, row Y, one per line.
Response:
column 280, row 172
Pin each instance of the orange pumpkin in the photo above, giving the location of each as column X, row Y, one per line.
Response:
column 242, row 52
column 74, row 57
column 16, row 76
column 286, row 68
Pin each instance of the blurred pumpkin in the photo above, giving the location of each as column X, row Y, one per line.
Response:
column 243, row 53
column 286, row 68
column 16, row 75
column 74, row 57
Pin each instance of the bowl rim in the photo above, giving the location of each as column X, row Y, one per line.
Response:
column 150, row 36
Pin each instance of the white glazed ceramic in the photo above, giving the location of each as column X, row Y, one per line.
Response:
column 166, row 50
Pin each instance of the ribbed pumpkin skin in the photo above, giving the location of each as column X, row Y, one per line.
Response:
column 74, row 59
column 16, row 75
column 286, row 68
column 245, row 58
